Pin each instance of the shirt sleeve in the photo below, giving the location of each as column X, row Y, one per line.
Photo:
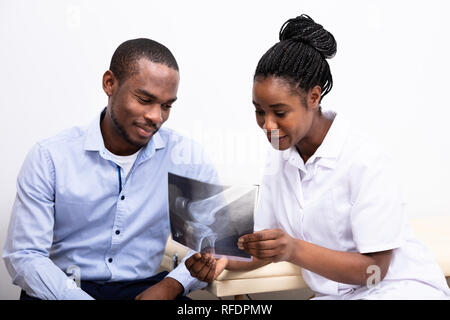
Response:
column 30, row 233
column 182, row 275
column 378, row 215
column 189, row 159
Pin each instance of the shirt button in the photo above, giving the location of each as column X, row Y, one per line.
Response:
column 122, row 198
column 117, row 231
column 110, row 260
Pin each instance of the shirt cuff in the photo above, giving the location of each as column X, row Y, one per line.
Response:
column 75, row 293
column 182, row 275
column 379, row 247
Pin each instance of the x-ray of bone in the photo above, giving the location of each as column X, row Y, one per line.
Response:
column 211, row 218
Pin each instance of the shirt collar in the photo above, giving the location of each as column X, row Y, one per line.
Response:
column 94, row 139
column 330, row 149
column 334, row 140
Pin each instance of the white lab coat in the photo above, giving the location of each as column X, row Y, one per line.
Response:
column 347, row 197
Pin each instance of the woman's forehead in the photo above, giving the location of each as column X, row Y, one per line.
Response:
column 274, row 87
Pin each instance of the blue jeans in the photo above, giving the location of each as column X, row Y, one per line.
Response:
column 121, row 290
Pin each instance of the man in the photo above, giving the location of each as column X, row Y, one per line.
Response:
column 92, row 201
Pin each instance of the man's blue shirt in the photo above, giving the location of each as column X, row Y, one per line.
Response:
column 74, row 210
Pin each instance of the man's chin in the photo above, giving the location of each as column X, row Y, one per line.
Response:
column 140, row 143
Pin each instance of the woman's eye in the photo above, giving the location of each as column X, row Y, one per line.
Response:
column 280, row 114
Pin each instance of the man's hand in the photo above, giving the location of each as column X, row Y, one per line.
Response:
column 272, row 245
column 205, row 267
column 166, row 289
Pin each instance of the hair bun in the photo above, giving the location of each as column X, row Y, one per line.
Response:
column 304, row 29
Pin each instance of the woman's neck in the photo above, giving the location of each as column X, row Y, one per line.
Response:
column 312, row 141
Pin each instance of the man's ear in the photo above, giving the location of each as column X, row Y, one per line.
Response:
column 109, row 83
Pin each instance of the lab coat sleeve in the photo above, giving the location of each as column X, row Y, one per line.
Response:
column 265, row 210
column 378, row 215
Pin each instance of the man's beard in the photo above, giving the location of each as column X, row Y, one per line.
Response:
column 121, row 131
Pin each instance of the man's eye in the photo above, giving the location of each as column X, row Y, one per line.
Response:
column 259, row 112
column 142, row 100
column 280, row 114
column 166, row 106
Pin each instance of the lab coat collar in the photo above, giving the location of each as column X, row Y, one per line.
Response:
column 328, row 152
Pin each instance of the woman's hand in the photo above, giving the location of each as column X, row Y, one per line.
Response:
column 205, row 267
column 272, row 245
column 275, row 245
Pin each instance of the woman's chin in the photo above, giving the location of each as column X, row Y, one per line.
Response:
column 280, row 146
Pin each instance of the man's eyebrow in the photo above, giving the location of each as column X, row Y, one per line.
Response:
column 146, row 93
column 152, row 96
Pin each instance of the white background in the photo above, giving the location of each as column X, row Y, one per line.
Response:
column 391, row 77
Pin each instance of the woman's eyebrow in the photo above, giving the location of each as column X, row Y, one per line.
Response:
column 277, row 105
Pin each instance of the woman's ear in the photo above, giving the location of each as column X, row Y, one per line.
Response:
column 314, row 96
column 109, row 83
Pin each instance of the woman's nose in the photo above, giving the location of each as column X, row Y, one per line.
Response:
column 269, row 124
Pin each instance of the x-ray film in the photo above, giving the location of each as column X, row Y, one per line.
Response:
column 211, row 218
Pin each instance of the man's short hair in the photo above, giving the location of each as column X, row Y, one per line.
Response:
column 124, row 60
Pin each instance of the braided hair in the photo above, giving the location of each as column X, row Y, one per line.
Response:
column 300, row 56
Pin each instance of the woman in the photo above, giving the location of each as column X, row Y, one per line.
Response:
column 333, row 205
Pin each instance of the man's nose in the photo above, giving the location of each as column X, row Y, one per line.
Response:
column 154, row 114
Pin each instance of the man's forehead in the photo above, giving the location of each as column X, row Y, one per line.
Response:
column 154, row 80
column 148, row 73
column 146, row 66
